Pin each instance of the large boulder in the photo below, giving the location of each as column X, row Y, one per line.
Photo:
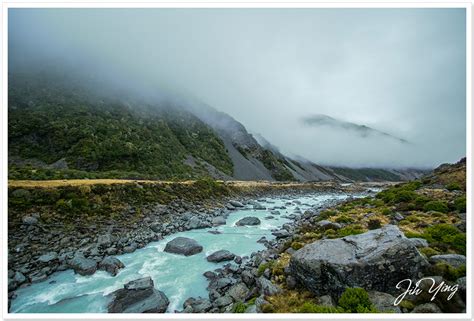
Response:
column 111, row 264
column 82, row 265
column 220, row 256
column 249, row 220
column 138, row 296
column 184, row 246
column 376, row 260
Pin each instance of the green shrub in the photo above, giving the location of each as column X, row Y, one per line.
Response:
column 448, row 235
column 239, row 307
column 404, row 196
column 407, row 305
column 460, row 204
column 344, row 219
column 326, row 214
column 356, row 300
column 296, row 245
column 437, row 206
column 447, row 271
column 262, row 267
column 350, row 230
column 267, row 308
column 428, row 251
column 413, row 234
column 455, row 186
column 411, row 186
column 374, row 224
column 386, row 211
column 420, row 201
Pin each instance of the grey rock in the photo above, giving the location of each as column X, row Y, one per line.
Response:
column 455, row 260
column 197, row 305
column 209, row 275
column 251, row 309
column 326, row 225
column 281, row 234
column 419, row 242
column 397, row 216
column 130, row 248
column 156, row 227
column 383, row 302
column 104, row 240
column 30, row 220
column 111, row 264
column 248, row 278
column 196, row 222
column 427, row 308
column 223, row 301
column 138, row 296
column 249, row 220
column 222, row 283
column 290, row 282
column 266, row 286
column 19, row 278
column 184, row 246
column 238, row 291
column 220, row 256
column 326, row 300
column 236, row 203
column 257, row 206
column 82, row 265
column 48, row 257
column 218, row 220
column 369, row 260
column 259, row 302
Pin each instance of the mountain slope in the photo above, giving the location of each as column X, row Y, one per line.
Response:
column 105, row 138
column 62, row 128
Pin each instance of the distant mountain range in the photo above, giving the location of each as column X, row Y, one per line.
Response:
column 59, row 129
column 361, row 130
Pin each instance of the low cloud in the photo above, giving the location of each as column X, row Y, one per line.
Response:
column 399, row 72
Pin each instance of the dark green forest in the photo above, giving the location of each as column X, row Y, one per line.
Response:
column 101, row 136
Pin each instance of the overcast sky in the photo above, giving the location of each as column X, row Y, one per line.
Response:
column 398, row 71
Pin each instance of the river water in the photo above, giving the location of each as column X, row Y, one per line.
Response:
column 179, row 277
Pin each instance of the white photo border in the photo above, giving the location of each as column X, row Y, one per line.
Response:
column 224, row 4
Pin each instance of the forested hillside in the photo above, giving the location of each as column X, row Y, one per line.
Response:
column 57, row 131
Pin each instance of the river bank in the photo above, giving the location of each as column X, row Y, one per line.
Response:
column 40, row 244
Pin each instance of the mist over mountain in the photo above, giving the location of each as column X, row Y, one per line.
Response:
column 361, row 130
column 236, row 72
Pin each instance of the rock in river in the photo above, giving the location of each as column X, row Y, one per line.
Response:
column 236, row 203
column 184, row 246
column 83, row 266
column 249, row 220
column 111, row 264
column 138, row 296
column 220, row 256
column 376, row 260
